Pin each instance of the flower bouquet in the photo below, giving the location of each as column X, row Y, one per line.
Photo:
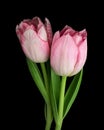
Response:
column 52, row 60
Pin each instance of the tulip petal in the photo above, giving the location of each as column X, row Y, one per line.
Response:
column 81, row 57
column 36, row 21
column 42, row 33
column 48, row 30
column 64, row 29
column 63, row 55
column 36, row 49
column 79, row 37
column 67, row 29
column 56, row 36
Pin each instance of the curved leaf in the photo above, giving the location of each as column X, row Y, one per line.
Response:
column 72, row 92
column 36, row 75
column 45, row 111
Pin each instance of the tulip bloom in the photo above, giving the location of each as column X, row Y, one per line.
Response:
column 35, row 38
column 68, row 51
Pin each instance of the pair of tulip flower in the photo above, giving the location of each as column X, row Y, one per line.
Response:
column 66, row 52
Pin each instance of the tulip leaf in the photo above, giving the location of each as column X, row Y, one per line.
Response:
column 48, row 69
column 36, row 75
column 72, row 92
column 54, row 91
column 45, row 111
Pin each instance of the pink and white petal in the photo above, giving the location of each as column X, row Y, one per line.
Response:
column 64, row 29
column 27, row 51
column 81, row 57
column 56, row 37
column 40, row 51
column 83, row 33
column 48, row 30
column 67, row 29
column 40, row 22
column 42, row 33
column 26, row 43
column 63, row 55
column 28, row 21
column 23, row 26
column 36, row 21
column 72, row 52
column 35, row 48
column 29, row 36
column 77, row 38
column 18, row 31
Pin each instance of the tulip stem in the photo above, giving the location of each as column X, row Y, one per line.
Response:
column 48, row 105
column 61, row 104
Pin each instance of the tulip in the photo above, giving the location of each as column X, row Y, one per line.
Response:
column 68, row 51
column 35, row 38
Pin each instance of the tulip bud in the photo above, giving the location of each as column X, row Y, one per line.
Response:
column 68, row 51
column 34, row 37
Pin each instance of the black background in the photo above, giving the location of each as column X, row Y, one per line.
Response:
column 22, row 103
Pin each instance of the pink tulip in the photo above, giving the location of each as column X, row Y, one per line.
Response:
column 68, row 51
column 35, row 38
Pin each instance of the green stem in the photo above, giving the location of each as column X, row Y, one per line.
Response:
column 48, row 105
column 48, row 117
column 61, row 104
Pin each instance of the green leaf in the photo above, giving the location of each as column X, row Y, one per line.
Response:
column 72, row 92
column 48, row 69
column 45, row 111
column 54, row 92
column 36, row 75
